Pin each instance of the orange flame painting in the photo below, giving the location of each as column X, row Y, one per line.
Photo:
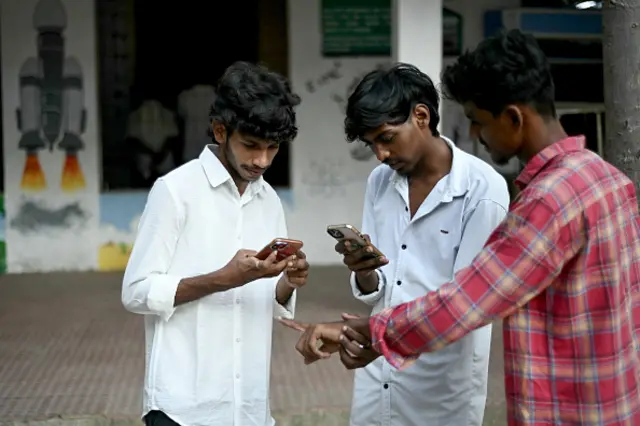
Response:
column 32, row 175
column 72, row 177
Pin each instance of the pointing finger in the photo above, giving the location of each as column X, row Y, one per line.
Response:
column 295, row 325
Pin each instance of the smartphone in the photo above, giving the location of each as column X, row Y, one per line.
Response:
column 283, row 246
column 350, row 233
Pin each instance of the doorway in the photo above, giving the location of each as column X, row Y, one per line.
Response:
column 173, row 51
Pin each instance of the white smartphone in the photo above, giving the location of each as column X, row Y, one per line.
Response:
column 350, row 233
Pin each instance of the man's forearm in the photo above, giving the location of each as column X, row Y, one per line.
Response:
column 283, row 291
column 367, row 282
column 194, row 288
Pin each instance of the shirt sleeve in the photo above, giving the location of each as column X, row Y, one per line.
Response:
column 146, row 287
column 522, row 258
column 287, row 310
column 369, row 228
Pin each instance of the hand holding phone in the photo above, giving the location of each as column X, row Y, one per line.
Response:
column 359, row 254
column 282, row 249
column 282, row 246
column 245, row 267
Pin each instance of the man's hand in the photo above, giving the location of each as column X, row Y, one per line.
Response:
column 355, row 350
column 245, row 267
column 350, row 337
column 318, row 341
column 360, row 259
column 296, row 274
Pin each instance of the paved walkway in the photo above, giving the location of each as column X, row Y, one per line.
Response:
column 69, row 350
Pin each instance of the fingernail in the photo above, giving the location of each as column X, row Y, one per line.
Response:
column 341, row 337
column 369, row 250
column 344, row 328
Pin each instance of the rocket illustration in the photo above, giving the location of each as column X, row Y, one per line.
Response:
column 51, row 101
column 29, row 119
column 73, row 125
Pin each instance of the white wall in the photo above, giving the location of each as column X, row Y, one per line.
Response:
column 328, row 185
column 44, row 222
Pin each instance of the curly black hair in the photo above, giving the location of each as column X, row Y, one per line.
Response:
column 255, row 101
column 388, row 96
column 509, row 68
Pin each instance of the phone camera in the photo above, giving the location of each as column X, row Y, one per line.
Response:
column 279, row 245
column 335, row 233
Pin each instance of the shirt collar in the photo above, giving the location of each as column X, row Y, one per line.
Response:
column 217, row 174
column 458, row 177
column 540, row 160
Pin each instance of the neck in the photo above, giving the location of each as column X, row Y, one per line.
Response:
column 436, row 161
column 241, row 184
column 550, row 132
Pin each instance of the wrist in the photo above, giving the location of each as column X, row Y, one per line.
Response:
column 368, row 281
column 284, row 281
column 223, row 279
column 365, row 275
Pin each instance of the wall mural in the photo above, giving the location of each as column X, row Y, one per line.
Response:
column 119, row 217
column 50, row 142
column 51, row 112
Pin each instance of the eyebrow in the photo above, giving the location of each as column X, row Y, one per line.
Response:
column 250, row 140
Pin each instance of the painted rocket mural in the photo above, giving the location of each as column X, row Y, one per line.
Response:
column 51, row 102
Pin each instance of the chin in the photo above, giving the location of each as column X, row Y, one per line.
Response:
column 403, row 171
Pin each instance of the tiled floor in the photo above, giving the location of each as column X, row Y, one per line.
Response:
column 67, row 347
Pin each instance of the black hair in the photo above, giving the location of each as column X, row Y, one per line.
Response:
column 388, row 96
column 255, row 101
column 509, row 68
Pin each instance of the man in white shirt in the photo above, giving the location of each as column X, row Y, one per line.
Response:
column 207, row 301
column 429, row 208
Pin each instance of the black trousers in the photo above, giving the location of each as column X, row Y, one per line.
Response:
column 158, row 418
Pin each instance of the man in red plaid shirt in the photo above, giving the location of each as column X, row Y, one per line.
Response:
column 562, row 270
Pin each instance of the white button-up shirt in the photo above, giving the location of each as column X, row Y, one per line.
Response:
column 448, row 387
column 208, row 361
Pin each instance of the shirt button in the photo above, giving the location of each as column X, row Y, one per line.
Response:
column 386, row 386
column 238, row 340
column 399, row 282
column 404, row 247
column 406, row 209
column 237, row 376
column 237, row 301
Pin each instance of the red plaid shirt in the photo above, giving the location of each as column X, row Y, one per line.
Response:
column 563, row 270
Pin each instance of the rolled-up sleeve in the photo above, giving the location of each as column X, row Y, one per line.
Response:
column 287, row 310
column 369, row 298
column 147, row 288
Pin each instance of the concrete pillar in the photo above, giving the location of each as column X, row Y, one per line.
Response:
column 417, row 35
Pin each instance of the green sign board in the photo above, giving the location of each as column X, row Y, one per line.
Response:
column 356, row 27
